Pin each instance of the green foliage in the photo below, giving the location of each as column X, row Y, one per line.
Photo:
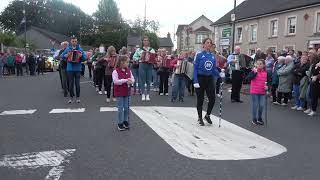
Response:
column 104, row 26
column 54, row 15
column 107, row 14
column 7, row 38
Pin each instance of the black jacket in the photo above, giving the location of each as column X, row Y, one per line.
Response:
column 299, row 72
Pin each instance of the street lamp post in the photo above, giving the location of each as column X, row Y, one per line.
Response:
column 25, row 26
column 233, row 19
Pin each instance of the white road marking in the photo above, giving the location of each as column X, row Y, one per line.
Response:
column 85, row 82
column 68, row 110
column 56, row 159
column 18, row 112
column 178, row 127
column 108, row 109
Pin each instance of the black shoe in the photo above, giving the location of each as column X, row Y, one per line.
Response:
column 173, row 100
column 208, row 119
column 260, row 122
column 126, row 124
column 233, row 101
column 181, row 100
column 239, row 101
column 200, row 121
column 120, row 127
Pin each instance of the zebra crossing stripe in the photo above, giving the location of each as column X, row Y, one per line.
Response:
column 68, row 110
column 181, row 131
column 18, row 112
column 108, row 109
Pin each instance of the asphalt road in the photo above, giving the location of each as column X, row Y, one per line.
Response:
column 102, row 152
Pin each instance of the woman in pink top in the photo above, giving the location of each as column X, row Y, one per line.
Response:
column 258, row 87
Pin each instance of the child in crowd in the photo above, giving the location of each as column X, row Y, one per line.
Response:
column 258, row 88
column 122, row 79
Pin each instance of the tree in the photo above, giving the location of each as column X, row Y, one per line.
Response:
column 7, row 38
column 107, row 15
column 54, row 15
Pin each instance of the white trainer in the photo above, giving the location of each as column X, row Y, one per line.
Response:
column 307, row 111
column 108, row 100
column 294, row 107
column 147, row 97
column 100, row 92
column 300, row 109
column 143, row 97
column 312, row 113
column 161, row 94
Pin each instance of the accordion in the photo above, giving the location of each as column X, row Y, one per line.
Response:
column 165, row 62
column 112, row 61
column 74, row 56
column 147, row 57
column 185, row 68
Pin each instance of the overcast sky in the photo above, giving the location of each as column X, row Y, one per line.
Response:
column 169, row 13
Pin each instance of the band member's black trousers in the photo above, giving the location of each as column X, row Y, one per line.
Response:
column 164, row 79
column 206, row 86
column 236, row 85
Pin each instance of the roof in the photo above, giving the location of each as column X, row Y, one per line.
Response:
column 58, row 38
column 165, row 42
column 181, row 28
column 254, row 8
column 202, row 16
column 202, row 28
column 133, row 40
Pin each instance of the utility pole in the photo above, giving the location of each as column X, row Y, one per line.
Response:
column 25, row 26
column 233, row 19
column 145, row 16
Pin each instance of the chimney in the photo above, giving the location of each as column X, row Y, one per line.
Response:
column 169, row 35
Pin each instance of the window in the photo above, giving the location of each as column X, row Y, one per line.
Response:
column 318, row 22
column 252, row 51
column 292, row 23
column 200, row 38
column 273, row 49
column 253, row 32
column 289, row 47
column 274, row 28
column 239, row 34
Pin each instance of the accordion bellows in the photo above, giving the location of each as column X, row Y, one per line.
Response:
column 74, row 56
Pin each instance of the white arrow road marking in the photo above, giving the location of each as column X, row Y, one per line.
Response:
column 178, row 127
column 18, row 112
column 108, row 109
column 56, row 159
column 59, row 111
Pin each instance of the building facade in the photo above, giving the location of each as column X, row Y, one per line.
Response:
column 296, row 26
column 189, row 37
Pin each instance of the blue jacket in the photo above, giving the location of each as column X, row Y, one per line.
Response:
column 72, row 66
column 204, row 64
column 275, row 76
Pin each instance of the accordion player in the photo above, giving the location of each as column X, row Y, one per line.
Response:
column 112, row 61
column 74, row 56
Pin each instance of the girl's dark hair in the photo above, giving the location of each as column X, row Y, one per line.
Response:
column 263, row 62
column 121, row 59
column 204, row 41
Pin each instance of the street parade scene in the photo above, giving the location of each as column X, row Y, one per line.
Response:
column 118, row 89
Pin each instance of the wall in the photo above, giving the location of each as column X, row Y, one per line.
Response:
column 304, row 29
